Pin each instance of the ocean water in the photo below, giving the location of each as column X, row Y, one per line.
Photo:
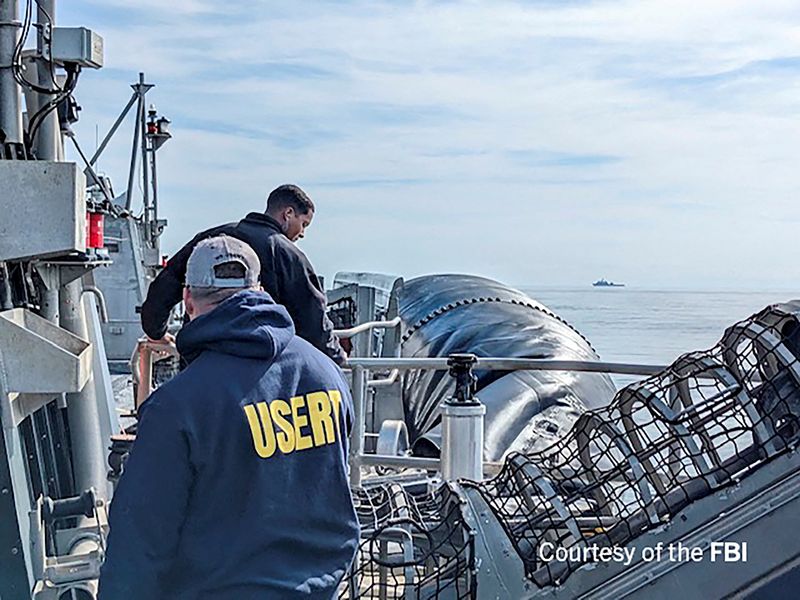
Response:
column 650, row 326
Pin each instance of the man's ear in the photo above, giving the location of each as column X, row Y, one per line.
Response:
column 188, row 302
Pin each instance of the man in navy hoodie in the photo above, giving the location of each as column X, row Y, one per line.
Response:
column 236, row 487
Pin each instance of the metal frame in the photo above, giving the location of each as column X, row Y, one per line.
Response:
column 143, row 147
column 361, row 368
column 13, row 568
column 142, row 366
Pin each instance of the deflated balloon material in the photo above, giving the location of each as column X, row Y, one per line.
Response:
column 525, row 410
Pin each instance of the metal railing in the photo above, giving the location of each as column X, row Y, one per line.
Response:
column 141, row 362
column 362, row 366
column 146, row 350
column 142, row 366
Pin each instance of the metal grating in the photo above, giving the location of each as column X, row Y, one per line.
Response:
column 708, row 420
column 413, row 546
column 342, row 312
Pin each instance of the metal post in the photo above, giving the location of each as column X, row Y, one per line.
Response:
column 134, row 148
column 49, row 308
column 5, row 288
column 10, row 113
column 154, row 207
column 88, row 449
column 142, row 366
column 47, row 135
column 145, row 385
column 145, row 162
column 462, row 424
column 359, row 425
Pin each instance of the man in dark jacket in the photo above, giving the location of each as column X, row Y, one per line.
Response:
column 236, row 487
column 286, row 273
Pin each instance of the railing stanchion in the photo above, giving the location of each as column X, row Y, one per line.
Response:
column 359, row 424
column 145, row 374
column 462, row 424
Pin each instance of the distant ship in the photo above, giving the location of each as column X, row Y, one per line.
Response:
column 605, row 283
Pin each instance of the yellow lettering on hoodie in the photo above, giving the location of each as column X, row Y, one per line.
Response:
column 319, row 412
column 336, row 400
column 302, row 423
column 261, row 429
column 302, row 442
column 285, row 437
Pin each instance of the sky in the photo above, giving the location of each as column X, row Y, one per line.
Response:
column 540, row 143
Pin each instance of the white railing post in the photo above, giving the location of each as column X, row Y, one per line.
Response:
column 359, row 424
column 462, row 424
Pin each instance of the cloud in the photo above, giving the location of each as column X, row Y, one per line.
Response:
column 544, row 158
column 620, row 131
column 369, row 183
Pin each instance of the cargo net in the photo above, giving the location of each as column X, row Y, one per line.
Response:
column 413, row 546
column 706, row 421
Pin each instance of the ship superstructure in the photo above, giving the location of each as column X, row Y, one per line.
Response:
column 55, row 394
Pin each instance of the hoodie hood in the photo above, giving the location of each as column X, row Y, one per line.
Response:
column 248, row 324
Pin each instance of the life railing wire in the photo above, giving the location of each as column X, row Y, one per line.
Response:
column 706, row 421
column 414, row 545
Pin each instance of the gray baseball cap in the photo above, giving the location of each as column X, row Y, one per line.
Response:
column 201, row 270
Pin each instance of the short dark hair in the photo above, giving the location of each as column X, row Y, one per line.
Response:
column 289, row 195
column 230, row 270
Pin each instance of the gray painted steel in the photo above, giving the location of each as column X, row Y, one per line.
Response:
column 132, row 243
column 10, row 113
column 108, row 422
column 88, row 446
column 15, row 564
column 43, row 209
column 48, row 138
column 124, row 285
column 43, row 231
column 40, row 357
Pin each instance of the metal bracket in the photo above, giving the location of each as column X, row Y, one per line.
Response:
column 47, row 41
column 461, row 369
column 73, row 562
column 392, row 438
column 58, row 273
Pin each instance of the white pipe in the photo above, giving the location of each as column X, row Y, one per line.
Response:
column 385, row 382
column 101, row 301
column 348, row 333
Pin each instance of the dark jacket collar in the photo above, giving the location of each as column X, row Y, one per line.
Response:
column 263, row 219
